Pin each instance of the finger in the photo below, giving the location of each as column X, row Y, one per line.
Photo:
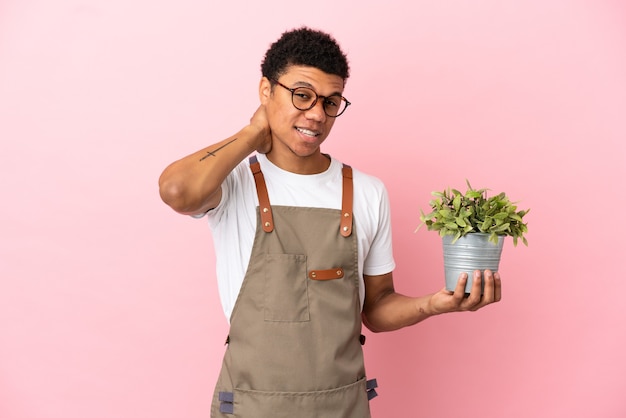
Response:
column 489, row 292
column 497, row 282
column 476, row 290
column 492, row 290
column 459, row 290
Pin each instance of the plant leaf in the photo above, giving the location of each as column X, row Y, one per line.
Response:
column 452, row 226
column 457, row 203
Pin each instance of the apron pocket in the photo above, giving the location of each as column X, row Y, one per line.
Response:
column 286, row 294
column 348, row 401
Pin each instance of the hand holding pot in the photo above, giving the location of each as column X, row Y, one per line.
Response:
column 446, row 301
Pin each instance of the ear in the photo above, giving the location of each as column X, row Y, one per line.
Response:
column 265, row 90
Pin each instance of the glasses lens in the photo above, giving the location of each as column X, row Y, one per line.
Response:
column 303, row 98
column 334, row 105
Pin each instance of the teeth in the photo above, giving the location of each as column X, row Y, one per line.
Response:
column 307, row 132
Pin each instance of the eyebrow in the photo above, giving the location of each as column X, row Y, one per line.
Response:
column 310, row 86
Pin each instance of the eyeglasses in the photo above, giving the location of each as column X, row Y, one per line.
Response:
column 304, row 98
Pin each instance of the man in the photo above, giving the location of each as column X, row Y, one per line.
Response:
column 303, row 246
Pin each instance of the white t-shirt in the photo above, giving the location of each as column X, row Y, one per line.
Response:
column 233, row 221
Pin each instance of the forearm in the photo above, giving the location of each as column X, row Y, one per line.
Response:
column 386, row 310
column 193, row 184
column 393, row 311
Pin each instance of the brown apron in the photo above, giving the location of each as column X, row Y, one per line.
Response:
column 294, row 347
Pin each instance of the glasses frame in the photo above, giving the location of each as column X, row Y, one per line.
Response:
column 317, row 97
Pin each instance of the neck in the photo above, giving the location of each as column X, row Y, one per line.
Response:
column 312, row 164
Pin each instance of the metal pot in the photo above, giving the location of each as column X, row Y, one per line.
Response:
column 471, row 252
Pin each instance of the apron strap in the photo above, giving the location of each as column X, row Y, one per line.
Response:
column 346, row 202
column 267, row 221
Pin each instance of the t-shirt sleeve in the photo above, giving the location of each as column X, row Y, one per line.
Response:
column 215, row 212
column 379, row 259
column 233, row 180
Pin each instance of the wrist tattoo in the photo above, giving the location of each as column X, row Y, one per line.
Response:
column 212, row 153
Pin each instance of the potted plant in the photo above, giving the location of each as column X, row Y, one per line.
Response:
column 473, row 227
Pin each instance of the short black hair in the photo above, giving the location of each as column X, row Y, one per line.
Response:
column 308, row 47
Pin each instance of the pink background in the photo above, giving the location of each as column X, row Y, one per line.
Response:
column 108, row 303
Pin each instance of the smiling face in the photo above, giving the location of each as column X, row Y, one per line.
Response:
column 298, row 134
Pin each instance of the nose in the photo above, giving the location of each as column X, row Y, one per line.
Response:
column 317, row 112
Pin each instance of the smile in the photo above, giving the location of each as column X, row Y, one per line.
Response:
column 307, row 132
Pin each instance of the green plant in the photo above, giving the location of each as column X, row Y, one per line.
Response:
column 459, row 214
